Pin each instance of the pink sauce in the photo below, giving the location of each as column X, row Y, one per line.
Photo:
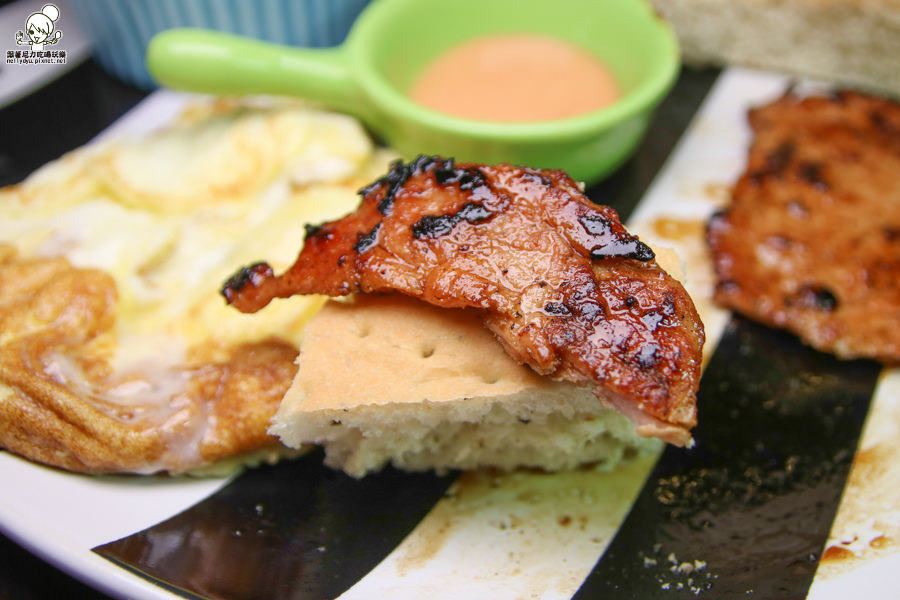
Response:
column 515, row 77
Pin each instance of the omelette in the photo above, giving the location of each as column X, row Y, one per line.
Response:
column 116, row 353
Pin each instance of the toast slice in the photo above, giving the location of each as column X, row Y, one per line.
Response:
column 388, row 379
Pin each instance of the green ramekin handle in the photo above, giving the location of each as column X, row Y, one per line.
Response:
column 212, row 62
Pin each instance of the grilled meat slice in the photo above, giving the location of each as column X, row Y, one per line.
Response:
column 562, row 284
column 811, row 241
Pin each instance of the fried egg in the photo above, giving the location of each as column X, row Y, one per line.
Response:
column 117, row 353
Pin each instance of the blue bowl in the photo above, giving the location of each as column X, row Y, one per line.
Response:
column 121, row 29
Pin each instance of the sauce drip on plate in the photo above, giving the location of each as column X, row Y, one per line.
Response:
column 515, row 77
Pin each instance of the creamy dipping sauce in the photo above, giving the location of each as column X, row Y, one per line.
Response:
column 515, row 77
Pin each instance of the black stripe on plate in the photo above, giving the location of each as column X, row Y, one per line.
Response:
column 747, row 511
column 296, row 530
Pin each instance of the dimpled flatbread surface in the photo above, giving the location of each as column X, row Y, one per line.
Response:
column 442, row 394
column 811, row 240
column 116, row 352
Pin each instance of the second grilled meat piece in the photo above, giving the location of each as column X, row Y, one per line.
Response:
column 811, row 241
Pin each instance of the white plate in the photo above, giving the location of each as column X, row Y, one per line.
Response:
column 61, row 516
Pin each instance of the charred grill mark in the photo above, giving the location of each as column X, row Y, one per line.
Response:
column 366, row 241
column 473, row 212
column 883, row 124
column 811, row 173
column 557, row 309
column 393, row 181
column 777, row 162
column 625, row 248
column 581, row 298
column 779, row 159
column 311, row 231
column 817, row 297
column 250, row 275
column 595, row 225
column 320, row 233
column 468, row 179
column 432, row 226
column 445, row 173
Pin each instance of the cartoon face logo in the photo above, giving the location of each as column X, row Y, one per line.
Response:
column 39, row 27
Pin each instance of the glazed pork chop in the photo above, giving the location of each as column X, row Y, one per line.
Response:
column 559, row 281
column 811, row 241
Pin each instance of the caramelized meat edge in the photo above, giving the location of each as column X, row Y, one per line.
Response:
column 561, row 283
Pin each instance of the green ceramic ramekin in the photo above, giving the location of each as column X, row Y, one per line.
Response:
column 367, row 76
